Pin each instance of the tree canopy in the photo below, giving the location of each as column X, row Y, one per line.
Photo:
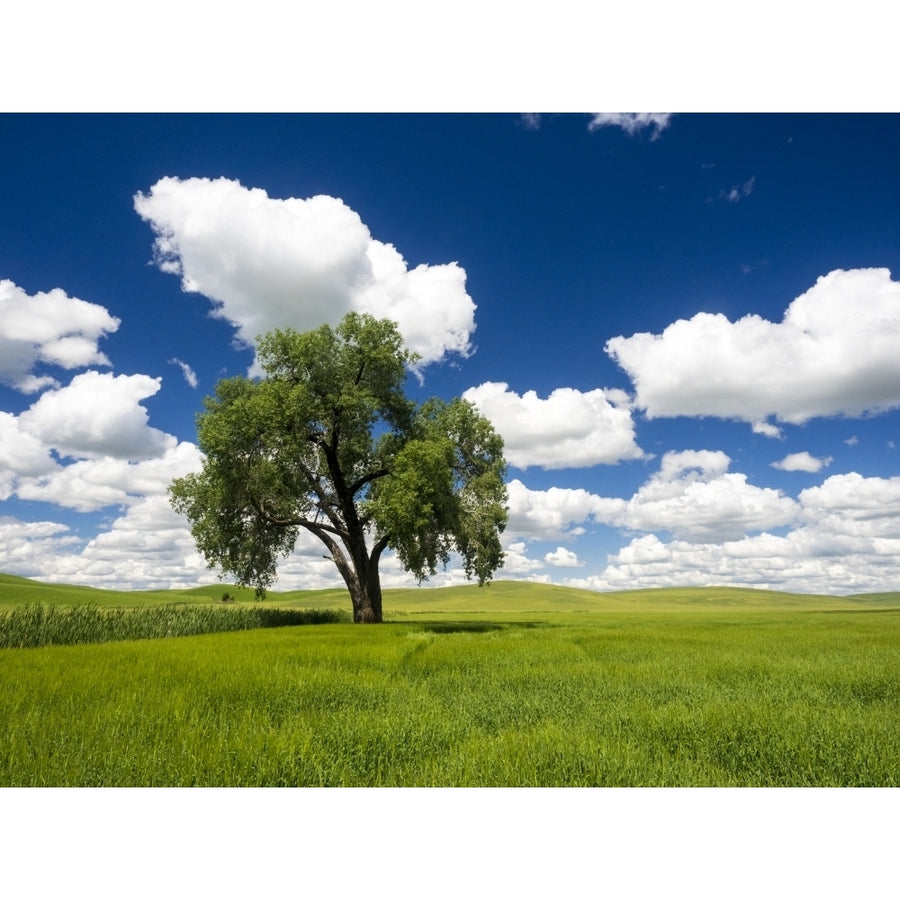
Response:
column 328, row 442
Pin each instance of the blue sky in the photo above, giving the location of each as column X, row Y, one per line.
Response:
column 686, row 327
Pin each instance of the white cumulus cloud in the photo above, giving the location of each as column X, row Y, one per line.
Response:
column 516, row 560
column 34, row 548
column 92, row 484
column 50, row 328
column 98, row 414
column 833, row 354
column 292, row 263
column 567, row 429
column 20, row 453
column 802, row 462
column 557, row 512
column 562, row 558
column 693, row 496
column 147, row 547
column 846, row 539
column 853, row 497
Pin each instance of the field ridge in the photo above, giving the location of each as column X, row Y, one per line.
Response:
column 505, row 596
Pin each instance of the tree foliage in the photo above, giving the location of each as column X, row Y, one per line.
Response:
column 328, row 442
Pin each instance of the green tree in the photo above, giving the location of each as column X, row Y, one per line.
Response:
column 328, row 442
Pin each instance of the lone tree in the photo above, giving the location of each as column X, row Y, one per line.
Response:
column 328, row 442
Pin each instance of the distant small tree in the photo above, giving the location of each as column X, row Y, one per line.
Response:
column 329, row 443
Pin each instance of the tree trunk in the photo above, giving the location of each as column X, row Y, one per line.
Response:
column 363, row 580
column 359, row 569
column 366, row 597
column 374, row 591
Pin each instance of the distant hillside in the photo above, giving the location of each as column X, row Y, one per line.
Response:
column 521, row 596
column 15, row 590
column 498, row 597
column 888, row 598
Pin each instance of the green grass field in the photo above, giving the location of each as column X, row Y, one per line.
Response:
column 515, row 684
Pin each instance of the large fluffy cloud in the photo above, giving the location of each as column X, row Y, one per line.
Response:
column 569, row 428
column 834, row 353
column 149, row 545
column 49, row 327
column 98, row 414
column 852, row 503
column 556, row 513
column 99, row 422
column 92, row 484
column 694, row 496
column 275, row 263
column 34, row 548
column 20, row 454
column 846, row 539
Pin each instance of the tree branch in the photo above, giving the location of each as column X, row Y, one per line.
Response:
column 379, row 547
column 326, row 501
column 293, row 521
column 371, row 476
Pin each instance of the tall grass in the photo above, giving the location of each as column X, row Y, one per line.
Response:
column 702, row 698
column 37, row 625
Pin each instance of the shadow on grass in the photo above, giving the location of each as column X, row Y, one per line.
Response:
column 457, row 627
column 476, row 627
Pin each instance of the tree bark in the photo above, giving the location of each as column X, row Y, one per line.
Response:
column 360, row 570
column 360, row 574
column 366, row 590
column 365, row 594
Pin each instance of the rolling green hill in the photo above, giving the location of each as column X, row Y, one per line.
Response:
column 506, row 597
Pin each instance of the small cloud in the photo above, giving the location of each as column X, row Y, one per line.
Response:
column 852, row 441
column 532, row 121
column 189, row 375
column 562, row 558
column 738, row 191
column 767, row 429
column 567, row 429
column 631, row 123
column 802, row 462
column 49, row 327
column 31, row 384
column 558, row 513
